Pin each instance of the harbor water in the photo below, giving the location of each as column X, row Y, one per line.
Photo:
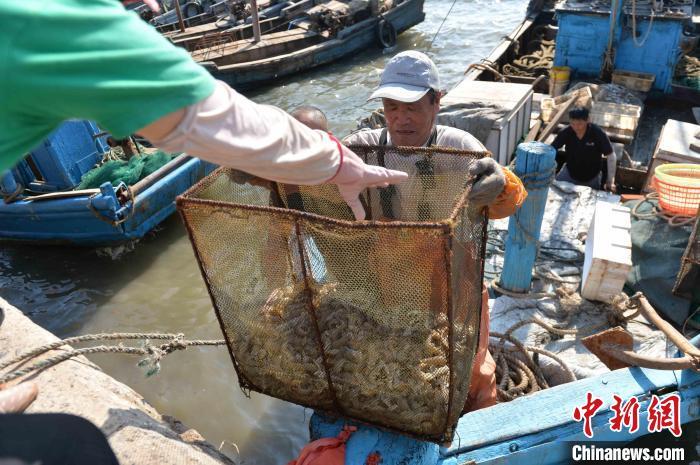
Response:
column 157, row 286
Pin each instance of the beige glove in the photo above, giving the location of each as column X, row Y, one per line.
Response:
column 354, row 176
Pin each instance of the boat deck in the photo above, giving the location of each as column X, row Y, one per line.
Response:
column 276, row 43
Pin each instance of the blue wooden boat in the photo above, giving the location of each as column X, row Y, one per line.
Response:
column 536, row 429
column 46, row 207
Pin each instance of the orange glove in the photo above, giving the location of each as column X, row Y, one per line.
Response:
column 510, row 199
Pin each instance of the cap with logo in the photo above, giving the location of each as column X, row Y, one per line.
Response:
column 407, row 77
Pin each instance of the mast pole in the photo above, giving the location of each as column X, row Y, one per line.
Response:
column 256, row 21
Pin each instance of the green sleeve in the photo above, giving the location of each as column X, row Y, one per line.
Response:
column 87, row 59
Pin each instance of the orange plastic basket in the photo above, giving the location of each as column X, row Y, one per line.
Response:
column 678, row 185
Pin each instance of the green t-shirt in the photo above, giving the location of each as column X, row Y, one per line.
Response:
column 86, row 59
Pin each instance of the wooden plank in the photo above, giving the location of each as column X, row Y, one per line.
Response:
column 553, row 123
column 532, row 135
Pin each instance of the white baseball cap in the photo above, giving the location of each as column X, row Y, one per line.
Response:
column 407, row 77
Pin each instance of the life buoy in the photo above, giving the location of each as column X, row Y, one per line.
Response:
column 187, row 9
column 386, row 33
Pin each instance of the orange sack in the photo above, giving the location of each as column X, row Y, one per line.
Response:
column 325, row 451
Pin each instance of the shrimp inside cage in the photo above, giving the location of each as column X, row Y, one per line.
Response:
column 374, row 320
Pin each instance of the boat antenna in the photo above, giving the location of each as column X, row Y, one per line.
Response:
column 443, row 22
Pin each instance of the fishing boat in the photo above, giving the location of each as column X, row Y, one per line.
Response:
column 580, row 35
column 594, row 40
column 301, row 37
column 44, row 204
column 237, row 23
column 191, row 12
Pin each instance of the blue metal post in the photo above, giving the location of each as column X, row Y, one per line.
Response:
column 534, row 165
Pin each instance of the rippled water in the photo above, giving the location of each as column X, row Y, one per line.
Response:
column 158, row 286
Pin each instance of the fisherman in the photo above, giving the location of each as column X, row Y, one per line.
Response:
column 585, row 145
column 91, row 59
column 311, row 117
column 410, row 93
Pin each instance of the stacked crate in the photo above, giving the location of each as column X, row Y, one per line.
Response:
column 618, row 119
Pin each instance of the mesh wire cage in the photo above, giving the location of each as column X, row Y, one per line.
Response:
column 376, row 320
column 689, row 274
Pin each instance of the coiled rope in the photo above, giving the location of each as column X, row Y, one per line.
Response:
column 673, row 220
column 518, row 372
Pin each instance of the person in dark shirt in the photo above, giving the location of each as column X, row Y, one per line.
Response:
column 585, row 145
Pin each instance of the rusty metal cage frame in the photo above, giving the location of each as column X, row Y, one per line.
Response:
column 690, row 264
column 446, row 227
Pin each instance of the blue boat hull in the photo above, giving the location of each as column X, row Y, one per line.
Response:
column 72, row 221
column 537, row 429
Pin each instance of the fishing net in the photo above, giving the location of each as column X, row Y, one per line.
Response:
column 376, row 321
column 129, row 172
column 689, row 274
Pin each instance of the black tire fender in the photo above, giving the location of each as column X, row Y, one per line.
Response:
column 386, row 33
column 187, row 9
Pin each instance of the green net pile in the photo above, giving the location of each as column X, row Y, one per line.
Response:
column 128, row 172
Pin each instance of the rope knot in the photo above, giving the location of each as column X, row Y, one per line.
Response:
column 176, row 344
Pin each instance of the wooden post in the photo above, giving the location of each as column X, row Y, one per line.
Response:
column 256, row 21
column 179, row 16
column 535, row 164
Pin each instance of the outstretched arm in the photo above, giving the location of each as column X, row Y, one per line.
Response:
column 228, row 129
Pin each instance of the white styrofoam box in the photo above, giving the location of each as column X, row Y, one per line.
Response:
column 509, row 130
column 616, row 115
column 675, row 140
column 608, row 258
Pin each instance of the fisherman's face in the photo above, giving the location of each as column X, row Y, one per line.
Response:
column 579, row 126
column 410, row 124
